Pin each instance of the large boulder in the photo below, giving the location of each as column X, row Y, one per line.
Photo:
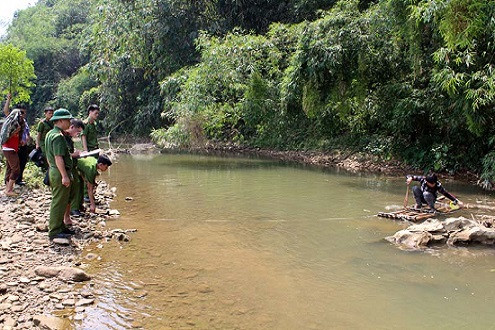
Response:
column 476, row 234
column 430, row 225
column 411, row 240
column 461, row 223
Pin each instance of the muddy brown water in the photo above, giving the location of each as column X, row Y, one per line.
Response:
column 235, row 243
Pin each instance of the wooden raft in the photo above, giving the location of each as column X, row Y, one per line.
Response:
column 417, row 215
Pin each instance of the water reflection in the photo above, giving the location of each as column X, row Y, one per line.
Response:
column 240, row 243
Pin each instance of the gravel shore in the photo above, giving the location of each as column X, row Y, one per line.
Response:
column 39, row 276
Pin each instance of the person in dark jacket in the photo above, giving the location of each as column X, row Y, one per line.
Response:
column 426, row 192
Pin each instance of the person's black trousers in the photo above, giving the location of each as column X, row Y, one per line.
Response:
column 23, row 159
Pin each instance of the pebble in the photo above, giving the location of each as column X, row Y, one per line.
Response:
column 84, row 302
column 61, row 241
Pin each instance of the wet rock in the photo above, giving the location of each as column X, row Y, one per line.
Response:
column 64, row 273
column 91, row 256
column 122, row 237
column 430, row 225
column 113, row 213
column 411, row 240
column 453, row 224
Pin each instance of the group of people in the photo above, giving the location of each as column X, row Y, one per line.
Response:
column 71, row 173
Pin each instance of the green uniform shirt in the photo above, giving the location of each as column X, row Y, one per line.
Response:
column 56, row 145
column 44, row 127
column 91, row 135
column 87, row 169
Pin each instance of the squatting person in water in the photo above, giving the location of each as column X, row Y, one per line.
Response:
column 426, row 193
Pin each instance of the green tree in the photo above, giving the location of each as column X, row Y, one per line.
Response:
column 16, row 73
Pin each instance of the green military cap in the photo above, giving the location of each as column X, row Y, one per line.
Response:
column 61, row 114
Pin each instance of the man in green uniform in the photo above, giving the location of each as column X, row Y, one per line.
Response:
column 89, row 135
column 75, row 128
column 44, row 126
column 60, row 167
column 88, row 168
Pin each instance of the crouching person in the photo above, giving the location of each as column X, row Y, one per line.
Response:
column 427, row 192
column 89, row 168
column 60, row 168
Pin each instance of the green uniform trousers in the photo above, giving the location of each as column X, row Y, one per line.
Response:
column 61, row 196
column 77, row 187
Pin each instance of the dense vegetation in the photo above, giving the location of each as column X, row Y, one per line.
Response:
column 407, row 79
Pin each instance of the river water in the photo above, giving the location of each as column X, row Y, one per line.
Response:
column 226, row 243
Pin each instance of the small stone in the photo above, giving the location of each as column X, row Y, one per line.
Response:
column 5, row 261
column 17, row 308
column 86, row 294
column 61, row 241
column 24, row 280
column 42, row 227
column 113, row 212
column 91, row 256
column 79, row 309
column 69, row 302
column 79, row 317
column 13, row 298
column 136, row 324
column 3, row 288
column 84, row 302
column 50, row 322
column 129, row 198
column 5, row 306
column 9, row 322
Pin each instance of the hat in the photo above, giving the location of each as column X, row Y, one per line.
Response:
column 61, row 114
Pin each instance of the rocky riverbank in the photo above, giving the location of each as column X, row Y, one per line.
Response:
column 39, row 276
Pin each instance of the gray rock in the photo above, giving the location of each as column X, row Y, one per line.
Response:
column 411, row 240
column 430, row 225
column 453, row 224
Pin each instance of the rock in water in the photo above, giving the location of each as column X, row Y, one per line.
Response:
column 411, row 240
